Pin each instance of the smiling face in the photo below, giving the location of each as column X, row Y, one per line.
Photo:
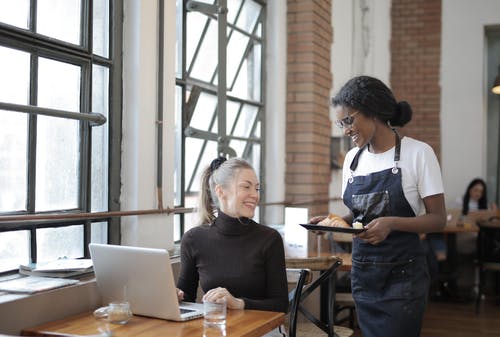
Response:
column 362, row 128
column 241, row 197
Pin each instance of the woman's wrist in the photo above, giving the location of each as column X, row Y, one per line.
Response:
column 240, row 304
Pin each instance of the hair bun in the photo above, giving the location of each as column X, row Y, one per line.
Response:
column 216, row 163
column 403, row 115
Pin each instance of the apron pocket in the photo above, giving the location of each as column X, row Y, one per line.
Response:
column 367, row 207
column 387, row 280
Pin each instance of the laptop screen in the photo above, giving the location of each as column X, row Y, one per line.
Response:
column 141, row 276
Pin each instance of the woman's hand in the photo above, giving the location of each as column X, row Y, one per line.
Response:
column 180, row 294
column 315, row 220
column 221, row 294
column 377, row 230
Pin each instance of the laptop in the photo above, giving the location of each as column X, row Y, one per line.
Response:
column 144, row 278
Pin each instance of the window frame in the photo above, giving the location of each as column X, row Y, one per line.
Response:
column 37, row 45
column 184, row 81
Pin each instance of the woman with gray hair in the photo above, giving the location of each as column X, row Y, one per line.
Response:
column 233, row 258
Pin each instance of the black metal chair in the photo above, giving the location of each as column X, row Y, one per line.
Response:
column 302, row 278
column 488, row 248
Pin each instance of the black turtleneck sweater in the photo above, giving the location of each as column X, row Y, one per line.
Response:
column 246, row 258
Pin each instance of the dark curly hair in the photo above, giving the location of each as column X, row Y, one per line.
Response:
column 373, row 98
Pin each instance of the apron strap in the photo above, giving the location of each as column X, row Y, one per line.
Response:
column 397, row 155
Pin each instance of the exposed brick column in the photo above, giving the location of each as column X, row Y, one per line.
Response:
column 415, row 57
column 308, row 125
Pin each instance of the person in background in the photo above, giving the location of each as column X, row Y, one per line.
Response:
column 476, row 197
column 233, row 258
column 474, row 203
column 392, row 185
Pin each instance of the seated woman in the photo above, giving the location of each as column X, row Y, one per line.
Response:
column 231, row 256
column 475, row 199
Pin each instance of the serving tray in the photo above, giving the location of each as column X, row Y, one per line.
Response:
column 332, row 229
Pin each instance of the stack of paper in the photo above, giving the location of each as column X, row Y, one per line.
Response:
column 34, row 284
column 59, row 268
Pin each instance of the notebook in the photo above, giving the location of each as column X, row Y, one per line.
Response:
column 144, row 278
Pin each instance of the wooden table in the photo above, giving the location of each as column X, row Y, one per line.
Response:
column 239, row 323
column 456, row 224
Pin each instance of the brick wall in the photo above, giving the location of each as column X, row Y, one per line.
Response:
column 308, row 125
column 415, row 57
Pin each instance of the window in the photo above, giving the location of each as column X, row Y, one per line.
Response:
column 56, row 57
column 197, row 100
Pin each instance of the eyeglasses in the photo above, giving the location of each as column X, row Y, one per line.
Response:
column 346, row 122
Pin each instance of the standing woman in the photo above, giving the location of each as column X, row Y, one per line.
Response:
column 233, row 258
column 393, row 186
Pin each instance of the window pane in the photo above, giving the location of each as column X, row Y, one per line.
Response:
column 204, row 112
column 59, row 19
column 58, row 85
column 248, row 80
column 99, row 232
column 13, row 162
column 54, row 243
column 14, row 76
column 57, row 163
column 14, row 249
column 178, row 38
column 233, row 7
column 177, row 227
column 15, row 12
column 245, row 121
column 100, row 102
column 100, row 32
column 248, row 16
column 238, row 146
column 58, row 150
column 195, row 24
column 206, row 61
column 236, row 47
column 178, row 146
column 191, row 219
column 193, row 149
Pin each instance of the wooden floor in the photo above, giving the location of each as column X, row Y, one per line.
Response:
column 459, row 320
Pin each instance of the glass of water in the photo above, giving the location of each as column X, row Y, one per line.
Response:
column 214, row 313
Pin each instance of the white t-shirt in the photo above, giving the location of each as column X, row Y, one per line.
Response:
column 421, row 174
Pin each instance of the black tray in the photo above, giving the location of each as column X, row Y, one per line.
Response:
column 332, row 229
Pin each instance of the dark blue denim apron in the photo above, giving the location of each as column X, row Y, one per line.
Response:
column 390, row 280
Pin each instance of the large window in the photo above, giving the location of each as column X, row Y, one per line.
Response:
column 56, row 55
column 197, row 100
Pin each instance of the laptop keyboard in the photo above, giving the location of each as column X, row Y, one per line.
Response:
column 185, row 311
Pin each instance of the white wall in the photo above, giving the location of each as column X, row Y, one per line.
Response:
column 463, row 92
column 276, row 57
column 140, row 70
column 354, row 54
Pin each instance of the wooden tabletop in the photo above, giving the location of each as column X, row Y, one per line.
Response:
column 461, row 227
column 239, row 323
column 319, row 261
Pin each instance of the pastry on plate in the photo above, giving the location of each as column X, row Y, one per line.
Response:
column 333, row 220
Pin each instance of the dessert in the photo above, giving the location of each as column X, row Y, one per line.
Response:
column 333, row 220
column 357, row 225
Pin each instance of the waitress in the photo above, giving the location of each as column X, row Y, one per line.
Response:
column 392, row 184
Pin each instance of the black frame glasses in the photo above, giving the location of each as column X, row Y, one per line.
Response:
column 346, row 122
